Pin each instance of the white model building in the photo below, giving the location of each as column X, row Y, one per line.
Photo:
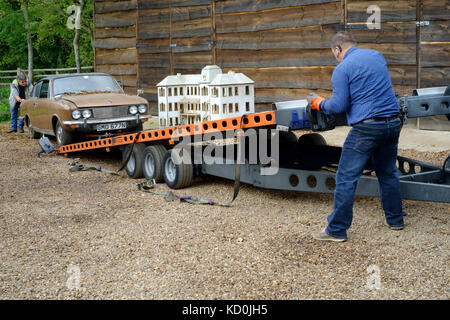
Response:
column 211, row 95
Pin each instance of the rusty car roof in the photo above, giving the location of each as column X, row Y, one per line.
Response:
column 59, row 76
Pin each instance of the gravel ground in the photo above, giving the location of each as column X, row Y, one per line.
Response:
column 132, row 245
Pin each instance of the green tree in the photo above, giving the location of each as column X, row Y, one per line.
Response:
column 52, row 39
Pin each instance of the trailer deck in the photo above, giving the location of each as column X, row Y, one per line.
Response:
column 303, row 164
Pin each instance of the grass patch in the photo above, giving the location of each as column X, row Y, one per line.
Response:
column 5, row 114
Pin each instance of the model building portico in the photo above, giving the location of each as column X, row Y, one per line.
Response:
column 211, row 95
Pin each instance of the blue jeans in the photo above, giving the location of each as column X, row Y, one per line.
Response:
column 376, row 141
column 14, row 114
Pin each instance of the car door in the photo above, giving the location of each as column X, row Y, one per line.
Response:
column 44, row 109
column 31, row 106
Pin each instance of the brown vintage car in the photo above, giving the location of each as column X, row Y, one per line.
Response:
column 81, row 105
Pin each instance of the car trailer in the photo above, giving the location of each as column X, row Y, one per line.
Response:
column 306, row 163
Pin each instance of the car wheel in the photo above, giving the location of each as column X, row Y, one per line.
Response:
column 177, row 174
column 33, row 134
column 153, row 162
column 134, row 164
column 62, row 136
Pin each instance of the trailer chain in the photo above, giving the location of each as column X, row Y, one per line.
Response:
column 76, row 166
column 169, row 196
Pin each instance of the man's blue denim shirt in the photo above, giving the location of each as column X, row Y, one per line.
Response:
column 362, row 87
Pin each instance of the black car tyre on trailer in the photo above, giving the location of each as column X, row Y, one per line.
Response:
column 152, row 165
column 134, row 164
column 177, row 173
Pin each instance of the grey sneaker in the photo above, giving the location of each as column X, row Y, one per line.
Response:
column 394, row 227
column 322, row 235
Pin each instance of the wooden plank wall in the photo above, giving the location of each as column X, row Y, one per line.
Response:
column 282, row 45
column 396, row 39
column 434, row 53
column 115, row 41
column 174, row 36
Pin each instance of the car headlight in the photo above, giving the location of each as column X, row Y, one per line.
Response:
column 87, row 113
column 76, row 114
column 133, row 109
column 142, row 108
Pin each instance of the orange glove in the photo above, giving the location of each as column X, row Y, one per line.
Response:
column 315, row 102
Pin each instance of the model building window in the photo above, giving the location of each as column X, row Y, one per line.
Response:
column 215, row 109
column 187, row 89
column 247, row 107
column 247, row 90
column 177, row 122
column 181, row 91
column 162, row 92
column 236, row 107
column 215, row 92
column 176, row 106
column 170, row 107
column 236, row 91
column 170, row 92
column 170, row 122
column 224, row 108
column 181, row 107
column 162, row 107
column 224, row 92
column 230, row 91
column 230, row 108
column 175, row 91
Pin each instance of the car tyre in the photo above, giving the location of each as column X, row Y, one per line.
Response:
column 177, row 174
column 153, row 162
column 62, row 136
column 134, row 164
column 32, row 133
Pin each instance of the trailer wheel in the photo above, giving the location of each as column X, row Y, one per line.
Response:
column 177, row 174
column 153, row 162
column 134, row 165
column 312, row 138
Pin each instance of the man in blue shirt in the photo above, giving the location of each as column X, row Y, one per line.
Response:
column 362, row 89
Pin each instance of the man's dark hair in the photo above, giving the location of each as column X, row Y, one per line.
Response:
column 342, row 38
column 21, row 77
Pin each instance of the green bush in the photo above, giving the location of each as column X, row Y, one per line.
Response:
column 5, row 115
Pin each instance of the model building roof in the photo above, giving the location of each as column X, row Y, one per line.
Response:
column 211, row 75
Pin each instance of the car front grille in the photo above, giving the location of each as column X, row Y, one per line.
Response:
column 110, row 112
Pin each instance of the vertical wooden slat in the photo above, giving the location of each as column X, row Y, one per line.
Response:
column 419, row 17
column 213, row 31
column 170, row 37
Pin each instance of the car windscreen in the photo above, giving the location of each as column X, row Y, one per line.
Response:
column 85, row 84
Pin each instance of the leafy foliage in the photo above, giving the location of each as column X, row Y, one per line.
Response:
column 52, row 39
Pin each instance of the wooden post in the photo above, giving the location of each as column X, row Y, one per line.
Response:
column 419, row 17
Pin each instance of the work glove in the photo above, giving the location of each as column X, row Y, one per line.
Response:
column 314, row 101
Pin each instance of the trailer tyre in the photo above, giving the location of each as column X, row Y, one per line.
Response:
column 312, row 138
column 177, row 174
column 152, row 162
column 134, row 165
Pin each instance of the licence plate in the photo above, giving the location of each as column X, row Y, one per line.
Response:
column 111, row 126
